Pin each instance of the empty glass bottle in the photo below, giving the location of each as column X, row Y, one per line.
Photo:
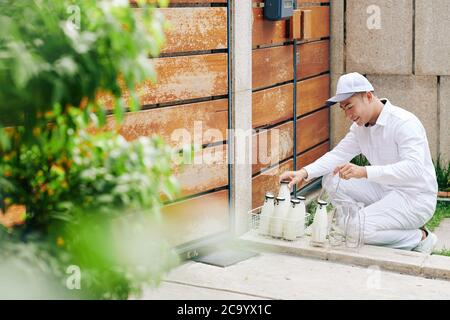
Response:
column 354, row 229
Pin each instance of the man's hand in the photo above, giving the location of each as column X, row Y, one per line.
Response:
column 350, row 170
column 294, row 177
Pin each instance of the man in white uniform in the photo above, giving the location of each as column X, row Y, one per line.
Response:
column 399, row 188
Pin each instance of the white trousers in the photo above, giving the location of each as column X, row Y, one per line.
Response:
column 392, row 217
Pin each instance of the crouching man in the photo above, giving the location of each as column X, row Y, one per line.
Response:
column 399, row 189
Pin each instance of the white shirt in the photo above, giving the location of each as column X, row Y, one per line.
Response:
column 396, row 147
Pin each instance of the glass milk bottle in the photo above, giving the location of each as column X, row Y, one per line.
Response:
column 266, row 214
column 290, row 228
column 320, row 225
column 284, row 191
column 277, row 219
column 301, row 208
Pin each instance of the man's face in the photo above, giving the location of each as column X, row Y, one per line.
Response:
column 357, row 109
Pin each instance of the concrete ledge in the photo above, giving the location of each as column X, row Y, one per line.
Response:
column 400, row 261
column 437, row 267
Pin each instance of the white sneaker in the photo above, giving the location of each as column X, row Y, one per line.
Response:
column 427, row 245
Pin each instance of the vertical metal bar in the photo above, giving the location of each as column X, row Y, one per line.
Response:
column 295, row 106
column 230, row 141
column 331, row 89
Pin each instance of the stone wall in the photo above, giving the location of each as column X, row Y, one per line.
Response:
column 403, row 48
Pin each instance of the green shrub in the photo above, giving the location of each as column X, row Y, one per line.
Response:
column 92, row 200
column 442, row 174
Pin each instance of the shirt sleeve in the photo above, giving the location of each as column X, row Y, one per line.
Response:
column 345, row 151
column 411, row 141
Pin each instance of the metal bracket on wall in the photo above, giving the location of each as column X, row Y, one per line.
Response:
column 306, row 24
column 295, row 25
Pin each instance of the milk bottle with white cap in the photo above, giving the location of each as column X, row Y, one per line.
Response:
column 292, row 220
column 320, row 224
column 284, row 191
column 301, row 209
column 277, row 219
column 266, row 214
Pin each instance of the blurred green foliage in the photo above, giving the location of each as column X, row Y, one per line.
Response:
column 92, row 199
column 67, row 52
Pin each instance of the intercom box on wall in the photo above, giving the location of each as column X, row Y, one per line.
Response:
column 278, row 9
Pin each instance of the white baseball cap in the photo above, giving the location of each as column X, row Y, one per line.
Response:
column 348, row 85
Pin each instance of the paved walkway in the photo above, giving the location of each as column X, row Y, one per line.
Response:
column 282, row 276
column 443, row 234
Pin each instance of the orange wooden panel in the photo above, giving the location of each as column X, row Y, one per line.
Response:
column 272, row 66
column 197, row 1
column 207, row 171
column 299, row 2
column 271, row 106
column 266, row 31
column 317, row 22
column 196, row 218
column 312, row 93
column 302, row 2
column 272, row 146
column 195, row 29
column 202, row 123
column 268, row 182
column 312, row 155
column 175, row 2
column 312, row 129
column 182, row 78
column 188, row 77
column 313, row 58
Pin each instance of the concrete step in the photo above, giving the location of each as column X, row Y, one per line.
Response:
column 400, row 261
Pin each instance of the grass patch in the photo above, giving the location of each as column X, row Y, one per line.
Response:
column 442, row 212
column 444, row 252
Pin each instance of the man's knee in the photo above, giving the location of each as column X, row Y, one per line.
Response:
column 370, row 236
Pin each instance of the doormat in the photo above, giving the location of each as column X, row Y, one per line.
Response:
column 225, row 257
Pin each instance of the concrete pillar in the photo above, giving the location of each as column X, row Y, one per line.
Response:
column 241, row 71
column 417, row 94
column 337, row 40
column 444, row 119
column 340, row 125
column 431, row 37
column 379, row 36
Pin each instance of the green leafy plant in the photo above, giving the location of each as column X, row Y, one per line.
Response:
column 360, row 160
column 91, row 198
column 442, row 174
